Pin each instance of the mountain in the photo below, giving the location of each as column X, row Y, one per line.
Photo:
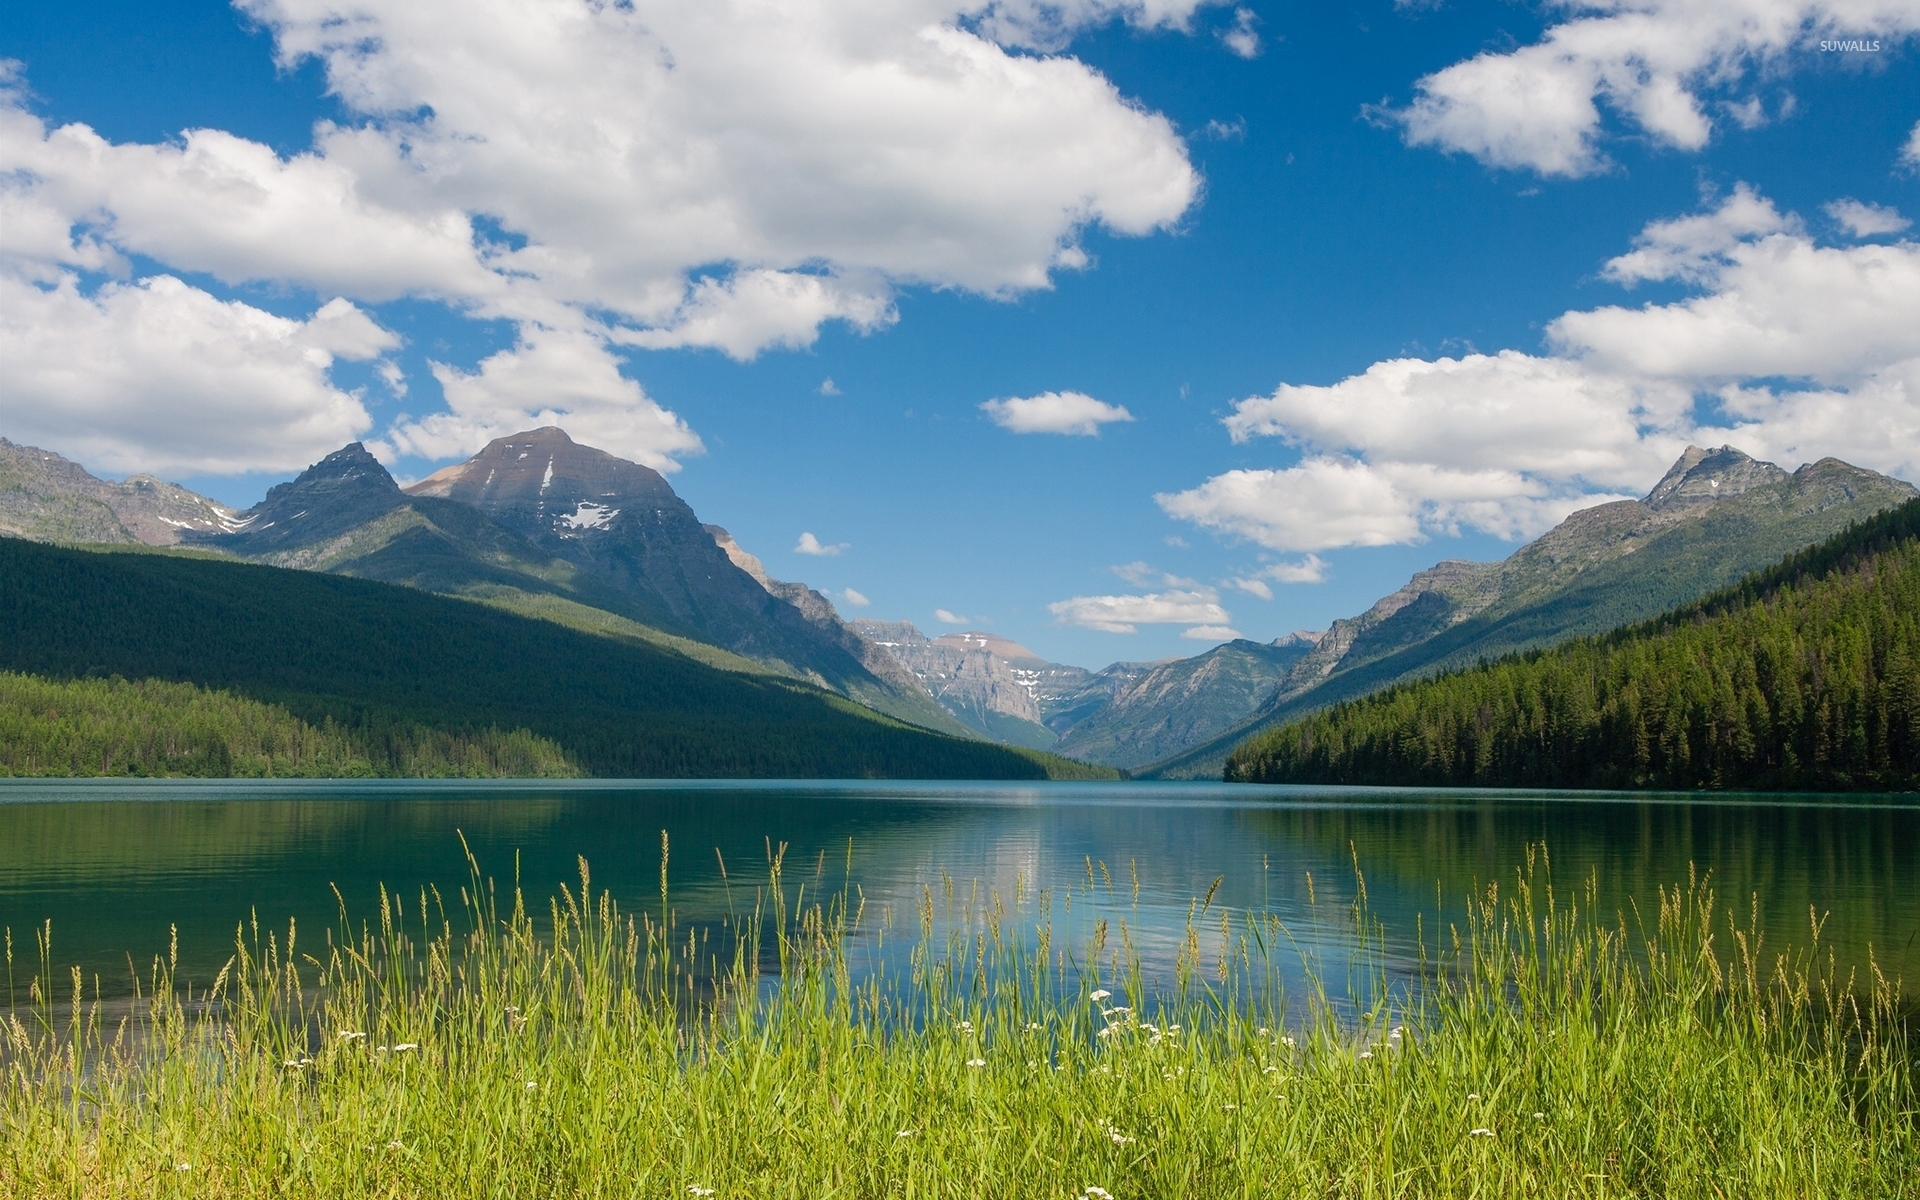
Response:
column 386, row 670
column 47, row 498
column 1147, row 712
column 991, row 685
column 1716, row 516
column 1124, row 715
column 542, row 526
column 1804, row 677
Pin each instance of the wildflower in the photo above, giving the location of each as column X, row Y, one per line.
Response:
column 1173, row 1029
column 1287, row 1041
column 904, row 1133
column 1473, row 1095
column 349, row 1035
column 1229, row 1107
column 964, row 1027
column 1118, row 1138
column 1107, row 1032
column 1539, row 1116
column 1100, row 995
column 404, row 1047
column 1095, row 1193
column 976, row 1062
column 183, row 1166
column 395, row 1146
column 1269, row 1070
column 1032, row 1025
column 1366, row 1054
column 697, row 1190
column 531, row 1085
column 1262, row 1031
column 1480, row 1133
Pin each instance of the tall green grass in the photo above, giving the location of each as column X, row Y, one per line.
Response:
column 1538, row 1051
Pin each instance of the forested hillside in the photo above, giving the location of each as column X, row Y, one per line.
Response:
column 1805, row 676
column 390, row 670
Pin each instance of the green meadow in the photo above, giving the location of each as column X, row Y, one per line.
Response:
column 481, row 1045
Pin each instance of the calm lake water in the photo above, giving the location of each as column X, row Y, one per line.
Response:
column 113, row 865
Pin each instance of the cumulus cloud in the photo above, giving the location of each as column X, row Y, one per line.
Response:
column 1656, row 65
column 1910, row 153
column 550, row 377
column 950, row 618
column 1194, row 605
column 809, row 544
column 160, row 376
column 1211, row 633
column 655, row 174
column 881, row 141
column 1788, row 348
column 1866, row 220
column 854, row 598
column 1055, row 412
column 1309, row 569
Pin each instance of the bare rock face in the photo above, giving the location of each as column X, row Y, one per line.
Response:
column 990, row 684
column 45, row 497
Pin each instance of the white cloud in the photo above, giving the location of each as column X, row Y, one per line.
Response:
column 1509, row 443
column 1055, row 412
column 950, row 618
column 159, row 376
column 820, row 151
column 1866, row 220
column 1123, row 614
column 854, row 598
column 809, row 544
column 1310, row 569
column 1655, row 64
column 654, row 174
column 1693, row 247
column 1241, row 37
column 1211, row 633
column 551, row 377
column 1910, row 153
column 1050, row 24
column 828, row 387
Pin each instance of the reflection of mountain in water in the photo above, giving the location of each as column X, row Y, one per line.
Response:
column 114, row 874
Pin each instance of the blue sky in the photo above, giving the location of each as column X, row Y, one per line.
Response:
column 1291, row 242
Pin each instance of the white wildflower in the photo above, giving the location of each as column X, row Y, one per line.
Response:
column 349, row 1035
column 1269, row 1070
column 405, row 1047
column 976, row 1062
column 1539, row 1116
column 395, row 1146
column 964, row 1027
column 905, row 1133
column 1032, row 1025
column 1473, row 1095
column 1118, row 1138
column 1229, row 1107
column 1091, row 1192
column 1481, row 1133
column 1261, row 1032
column 183, row 1166
column 531, row 1085
column 1100, row 995
column 697, row 1190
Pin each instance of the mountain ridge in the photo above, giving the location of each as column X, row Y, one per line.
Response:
column 1715, row 516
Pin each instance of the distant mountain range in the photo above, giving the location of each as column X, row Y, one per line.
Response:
column 541, row 526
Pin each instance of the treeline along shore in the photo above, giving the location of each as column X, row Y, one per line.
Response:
column 134, row 662
column 1805, row 676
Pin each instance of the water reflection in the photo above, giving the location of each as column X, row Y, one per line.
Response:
column 115, row 866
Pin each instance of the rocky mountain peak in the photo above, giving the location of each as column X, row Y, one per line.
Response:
column 343, row 490
column 1707, row 475
column 545, row 470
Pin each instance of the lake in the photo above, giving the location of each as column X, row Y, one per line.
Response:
column 115, row 864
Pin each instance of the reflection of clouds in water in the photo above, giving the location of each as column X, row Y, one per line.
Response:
column 114, row 873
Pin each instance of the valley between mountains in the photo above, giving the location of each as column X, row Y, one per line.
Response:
column 545, row 533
